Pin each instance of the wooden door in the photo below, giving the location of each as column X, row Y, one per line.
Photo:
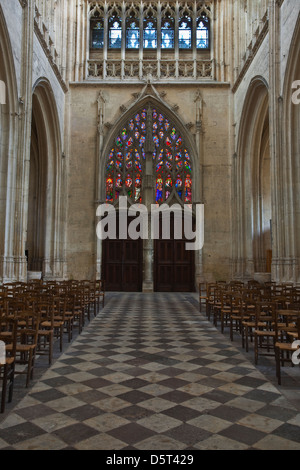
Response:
column 122, row 265
column 174, row 266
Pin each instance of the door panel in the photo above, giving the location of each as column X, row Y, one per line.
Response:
column 122, row 265
column 174, row 266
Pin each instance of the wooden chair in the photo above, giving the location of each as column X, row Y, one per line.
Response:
column 7, row 363
column 202, row 295
column 62, row 318
column 210, row 298
column 45, row 309
column 28, row 325
column 248, row 322
column 238, row 314
column 287, row 331
column 99, row 294
column 264, row 332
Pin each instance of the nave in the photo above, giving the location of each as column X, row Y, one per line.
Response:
column 150, row 372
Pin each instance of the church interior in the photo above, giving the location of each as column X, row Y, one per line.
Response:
column 112, row 112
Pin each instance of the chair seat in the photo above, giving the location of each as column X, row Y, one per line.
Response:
column 264, row 333
column 21, row 347
column 286, row 346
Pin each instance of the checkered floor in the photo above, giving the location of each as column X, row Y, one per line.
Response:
column 149, row 372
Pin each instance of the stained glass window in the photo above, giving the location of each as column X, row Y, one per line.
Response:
column 132, row 34
column 150, row 34
column 172, row 163
column 97, row 39
column 167, row 33
column 185, row 33
column 202, row 33
column 114, row 33
column 124, row 169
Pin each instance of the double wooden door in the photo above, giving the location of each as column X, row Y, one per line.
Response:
column 173, row 265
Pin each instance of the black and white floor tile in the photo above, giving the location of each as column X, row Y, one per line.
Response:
column 150, row 372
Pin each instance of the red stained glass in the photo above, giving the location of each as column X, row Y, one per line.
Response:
column 172, row 164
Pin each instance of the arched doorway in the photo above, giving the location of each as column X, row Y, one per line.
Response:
column 149, row 162
column 37, row 194
column 253, row 211
column 45, row 243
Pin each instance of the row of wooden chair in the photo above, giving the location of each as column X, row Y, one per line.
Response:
column 33, row 315
column 266, row 315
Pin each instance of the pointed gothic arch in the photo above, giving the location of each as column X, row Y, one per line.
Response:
column 45, row 231
column 12, row 259
column 253, row 210
column 150, row 110
column 287, row 246
column 169, row 114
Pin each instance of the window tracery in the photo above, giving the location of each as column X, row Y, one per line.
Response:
column 171, row 160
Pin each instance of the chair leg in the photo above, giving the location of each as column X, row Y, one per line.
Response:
column 277, row 359
column 30, row 367
column 255, row 349
column 11, row 384
column 4, row 386
column 50, row 347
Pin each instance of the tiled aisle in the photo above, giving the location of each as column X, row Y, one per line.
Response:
column 149, row 372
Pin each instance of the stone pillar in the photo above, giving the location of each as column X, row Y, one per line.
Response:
column 20, row 215
column 148, row 185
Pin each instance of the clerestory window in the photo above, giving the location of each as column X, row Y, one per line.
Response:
column 167, row 33
column 202, row 33
column 150, row 34
column 132, row 34
column 115, row 33
column 97, row 36
column 185, row 33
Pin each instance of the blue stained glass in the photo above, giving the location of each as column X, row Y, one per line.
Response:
column 115, row 34
column 167, row 34
column 133, row 35
column 202, row 33
column 97, row 35
column 150, row 35
column 185, row 34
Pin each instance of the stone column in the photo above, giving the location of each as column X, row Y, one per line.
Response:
column 20, row 215
column 278, row 200
column 148, row 188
